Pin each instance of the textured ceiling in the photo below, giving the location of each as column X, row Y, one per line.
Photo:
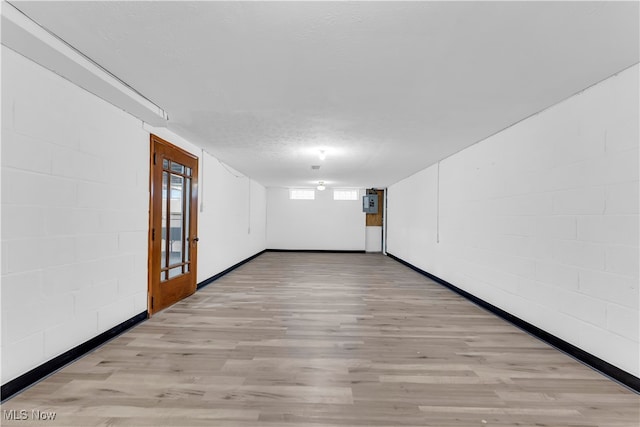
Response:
column 386, row 88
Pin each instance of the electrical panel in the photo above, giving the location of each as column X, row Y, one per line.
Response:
column 370, row 203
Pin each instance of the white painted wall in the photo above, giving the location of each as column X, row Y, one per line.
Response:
column 540, row 220
column 323, row 223
column 75, row 200
column 373, row 239
column 232, row 223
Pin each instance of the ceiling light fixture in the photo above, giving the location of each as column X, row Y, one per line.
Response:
column 321, row 186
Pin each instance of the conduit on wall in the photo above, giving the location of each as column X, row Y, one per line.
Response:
column 22, row 34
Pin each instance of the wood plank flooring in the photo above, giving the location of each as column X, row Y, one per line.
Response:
column 300, row 339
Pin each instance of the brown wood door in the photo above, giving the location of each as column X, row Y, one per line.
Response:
column 173, row 234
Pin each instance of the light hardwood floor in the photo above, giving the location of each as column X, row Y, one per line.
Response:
column 299, row 339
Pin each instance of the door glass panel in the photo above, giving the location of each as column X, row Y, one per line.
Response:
column 175, row 271
column 177, row 167
column 163, row 243
column 176, row 200
column 176, row 234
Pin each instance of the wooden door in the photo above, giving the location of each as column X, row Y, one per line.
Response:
column 173, row 234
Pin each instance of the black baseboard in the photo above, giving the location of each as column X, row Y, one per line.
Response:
column 215, row 277
column 606, row 368
column 40, row 372
column 318, row 251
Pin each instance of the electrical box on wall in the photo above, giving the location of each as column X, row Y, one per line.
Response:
column 370, row 204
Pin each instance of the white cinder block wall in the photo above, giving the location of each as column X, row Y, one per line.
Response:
column 323, row 223
column 540, row 220
column 75, row 201
column 232, row 221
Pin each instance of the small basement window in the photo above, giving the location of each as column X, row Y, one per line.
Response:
column 302, row 194
column 345, row 194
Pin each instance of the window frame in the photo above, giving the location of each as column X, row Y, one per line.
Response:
column 308, row 191
column 345, row 190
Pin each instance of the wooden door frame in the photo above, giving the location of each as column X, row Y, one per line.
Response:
column 155, row 168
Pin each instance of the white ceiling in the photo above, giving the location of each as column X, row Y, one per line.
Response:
column 386, row 88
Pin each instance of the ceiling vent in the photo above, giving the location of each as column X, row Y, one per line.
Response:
column 315, row 167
